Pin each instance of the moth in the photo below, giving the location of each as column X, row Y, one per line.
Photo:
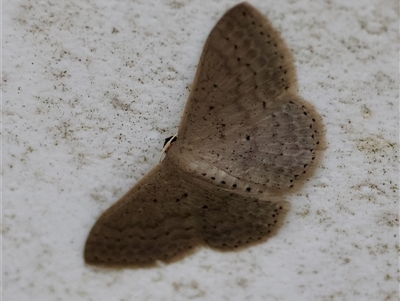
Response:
column 245, row 140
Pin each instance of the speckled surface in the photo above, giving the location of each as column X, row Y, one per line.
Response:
column 92, row 88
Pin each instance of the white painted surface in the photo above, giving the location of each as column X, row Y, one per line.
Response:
column 92, row 88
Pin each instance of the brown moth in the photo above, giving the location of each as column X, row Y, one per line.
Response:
column 246, row 138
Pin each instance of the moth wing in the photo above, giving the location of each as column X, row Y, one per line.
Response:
column 243, row 116
column 166, row 215
column 244, row 63
column 153, row 221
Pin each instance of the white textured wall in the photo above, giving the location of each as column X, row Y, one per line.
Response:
column 92, row 88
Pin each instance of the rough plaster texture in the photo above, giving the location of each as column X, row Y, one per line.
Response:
column 92, row 88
